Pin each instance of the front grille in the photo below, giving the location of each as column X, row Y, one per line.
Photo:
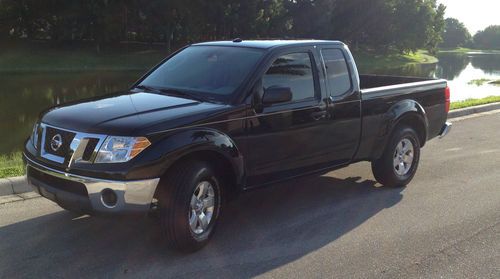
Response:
column 89, row 149
column 58, row 183
column 66, row 138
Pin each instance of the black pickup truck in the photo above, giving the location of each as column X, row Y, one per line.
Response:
column 216, row 118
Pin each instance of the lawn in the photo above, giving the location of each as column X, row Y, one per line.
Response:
column 23, row 58
column 474, row 102
column 482, row 81
column 464, row 50
column 11, row 165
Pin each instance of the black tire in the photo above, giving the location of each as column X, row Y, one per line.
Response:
column 384, row 168
column 175, row 197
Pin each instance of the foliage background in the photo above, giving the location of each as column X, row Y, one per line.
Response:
column 402, row 25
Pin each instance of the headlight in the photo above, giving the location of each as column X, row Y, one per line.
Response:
column 121, row 149
column 34, row 136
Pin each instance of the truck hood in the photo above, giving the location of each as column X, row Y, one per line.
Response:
column 130, row 113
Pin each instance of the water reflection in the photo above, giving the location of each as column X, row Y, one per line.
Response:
column 413, row 70
column 488, row 63
column 459, row 70
column 23, row 96
column 451, row 65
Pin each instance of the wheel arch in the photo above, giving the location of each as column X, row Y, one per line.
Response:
column 405, row 112
column 415, row 121
column 209, row 145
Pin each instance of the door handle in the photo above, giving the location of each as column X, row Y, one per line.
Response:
column 318, row 115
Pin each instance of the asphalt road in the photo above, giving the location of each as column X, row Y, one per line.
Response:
column 446, row 223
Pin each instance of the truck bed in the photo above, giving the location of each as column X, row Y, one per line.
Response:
column 373, row 81
column 381, row 93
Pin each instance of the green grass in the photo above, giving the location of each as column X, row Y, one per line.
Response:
column 11, row 165
column 478, row 82
column 456, row 50
column 474, row 102
column 368, row 61
column 482, row 81
column 422, row 57
column 464, row 50
column 23, row 58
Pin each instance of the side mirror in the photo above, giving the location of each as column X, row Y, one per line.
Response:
column 276, row 94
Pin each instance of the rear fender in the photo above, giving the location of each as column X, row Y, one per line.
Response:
column 400, row 112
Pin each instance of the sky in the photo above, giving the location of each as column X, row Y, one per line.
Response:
column 476, row 15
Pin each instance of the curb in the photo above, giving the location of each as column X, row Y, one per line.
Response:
column 19, row 197
column 14, row 185
column 19, row 185
column 473, row 110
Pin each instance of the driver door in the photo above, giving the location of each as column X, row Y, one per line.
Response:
column 287, row 139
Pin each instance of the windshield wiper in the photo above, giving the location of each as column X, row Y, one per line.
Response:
column 175, row 92
column 182, row 93
column 145, row 87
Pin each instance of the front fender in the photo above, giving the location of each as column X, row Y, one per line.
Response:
column 169, row 149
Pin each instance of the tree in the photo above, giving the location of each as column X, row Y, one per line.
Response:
column 302, row 11
column 436, row 27
column 363, row 23
column 455, row 34
column 489, row 38
column 381, row 25
column 418, row 24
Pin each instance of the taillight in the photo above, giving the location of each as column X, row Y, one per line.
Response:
column 447, row 99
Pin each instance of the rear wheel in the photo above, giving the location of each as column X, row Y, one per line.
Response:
column 190, row 201
column 399, row 162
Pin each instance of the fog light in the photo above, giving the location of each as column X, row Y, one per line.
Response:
column 109, row 198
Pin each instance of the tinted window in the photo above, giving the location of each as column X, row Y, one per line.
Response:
column 207, row 69
column 336, row 71
column 292, row 70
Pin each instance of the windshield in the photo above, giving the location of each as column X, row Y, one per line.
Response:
column 213, row 72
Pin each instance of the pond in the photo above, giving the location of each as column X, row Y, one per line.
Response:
column 23, row 96
column 460, row 70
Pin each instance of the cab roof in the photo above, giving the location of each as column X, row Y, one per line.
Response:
column 266, row 44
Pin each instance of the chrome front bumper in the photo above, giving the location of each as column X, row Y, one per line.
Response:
column 129, row 196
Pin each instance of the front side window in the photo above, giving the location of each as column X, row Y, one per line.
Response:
column 292, row 70
column 337, row 73
column 216, row 71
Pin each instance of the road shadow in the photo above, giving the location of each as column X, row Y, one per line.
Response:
column 260, row 231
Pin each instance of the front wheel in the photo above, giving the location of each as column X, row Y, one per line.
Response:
column 399, row 162
column 190, row 201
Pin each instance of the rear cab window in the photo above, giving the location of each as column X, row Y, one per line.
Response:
column 337, row 72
